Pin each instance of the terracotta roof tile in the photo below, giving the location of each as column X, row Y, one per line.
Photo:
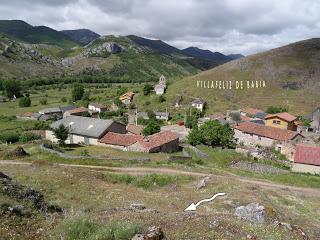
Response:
column 77, row 110
column 307, row 155
column 284, row 116
column 158, row 139
column 251, row 111
column 245, row 118
column 265, row 131
column 120, row 139
column 134, row 129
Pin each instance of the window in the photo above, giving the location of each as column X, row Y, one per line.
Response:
column 259, row 138
column 277, row 122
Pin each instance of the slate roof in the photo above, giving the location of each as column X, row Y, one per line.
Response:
column 143, row 115
column 162, row 114
column 67, row 108
column 50, row 110
column 307, row 155
column 261, row 115
column 198, row 101
column 84, row 126
column 284, row 116
column 265, row 131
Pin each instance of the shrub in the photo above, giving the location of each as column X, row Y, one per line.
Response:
column 85, row 229
column 28, row 137
column 52, row 146
column 273, row 109
column 9, row 137
column 151, row 128
column 44, row 101
column 146, row 181
column 63, row 99
column 25, row 102
column 77, row 92
column 147, row 88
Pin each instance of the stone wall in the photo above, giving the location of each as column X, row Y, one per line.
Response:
column 305, row 168
column 251, row 140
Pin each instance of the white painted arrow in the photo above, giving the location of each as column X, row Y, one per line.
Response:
column 193, row 206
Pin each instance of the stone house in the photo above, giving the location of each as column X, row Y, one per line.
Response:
column 307, row 159
column 199, row 104
column 159, row 142
column 126, row 98
column 315, row 120
column 52, row 113
column 252, row 135
column 282, row 120
column 162, row 115
column 84, row 130
column 97, row 107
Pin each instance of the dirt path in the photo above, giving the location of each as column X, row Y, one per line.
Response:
column 147, row 170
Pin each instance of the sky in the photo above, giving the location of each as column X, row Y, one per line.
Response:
column 227, row 26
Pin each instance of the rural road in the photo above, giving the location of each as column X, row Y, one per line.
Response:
column 148, row 170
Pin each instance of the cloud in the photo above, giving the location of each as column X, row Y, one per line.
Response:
column 230, row 26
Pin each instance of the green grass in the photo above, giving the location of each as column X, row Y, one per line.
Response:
column 146, row 181
column 85, row 229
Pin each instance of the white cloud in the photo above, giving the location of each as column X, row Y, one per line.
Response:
column 231, row 26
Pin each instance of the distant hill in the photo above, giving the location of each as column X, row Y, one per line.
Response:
column 291, row 74
column 83, row 36
column 235, row 56
column 155, row 45
column 206, row 54
column 25, row 32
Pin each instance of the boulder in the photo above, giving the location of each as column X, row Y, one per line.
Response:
column 253, row 212
column 153, row 233
column 202, row 183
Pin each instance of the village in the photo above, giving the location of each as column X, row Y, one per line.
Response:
column 256, row 133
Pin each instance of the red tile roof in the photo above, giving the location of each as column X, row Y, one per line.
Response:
column 245, row 118
column 158, row 139
column 265, row 131
column 148, row 143
column 251, row 111
column 307, row 155
column 77, row 110
column 134, row 129
column 120, row 139
column 26, row 114
column 284, row 116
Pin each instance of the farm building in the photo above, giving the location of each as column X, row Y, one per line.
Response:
column 282, row 120
column 83, row 130
column 126, row 98
column 159, row 142
column 307, row 159
column 199, row 104
column 251, row 134
column 75, row 112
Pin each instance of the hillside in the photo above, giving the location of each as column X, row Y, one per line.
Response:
column 106, row 59
column 22, row 31
column 291, row 74
column 207, row 54
column 83, row 36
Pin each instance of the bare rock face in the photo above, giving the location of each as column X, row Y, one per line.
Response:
column 202, row 183
column 18, row 152
column 153, row 233
column 253, row 212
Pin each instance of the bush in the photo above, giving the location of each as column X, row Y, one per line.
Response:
column 147, row 88
column 44, row 101
column 28, row 137
column 151, row 128
column 273, row 109
column 84, row 229
column 63, row 99
column 213, row 134
column 25, row 102
column 9, row 137
column 145, row 181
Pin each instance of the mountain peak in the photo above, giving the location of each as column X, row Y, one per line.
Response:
column 83, row 36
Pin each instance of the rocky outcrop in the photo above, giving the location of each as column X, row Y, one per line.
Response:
column 103, row 50
column 253, row 212
column 153, row 233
